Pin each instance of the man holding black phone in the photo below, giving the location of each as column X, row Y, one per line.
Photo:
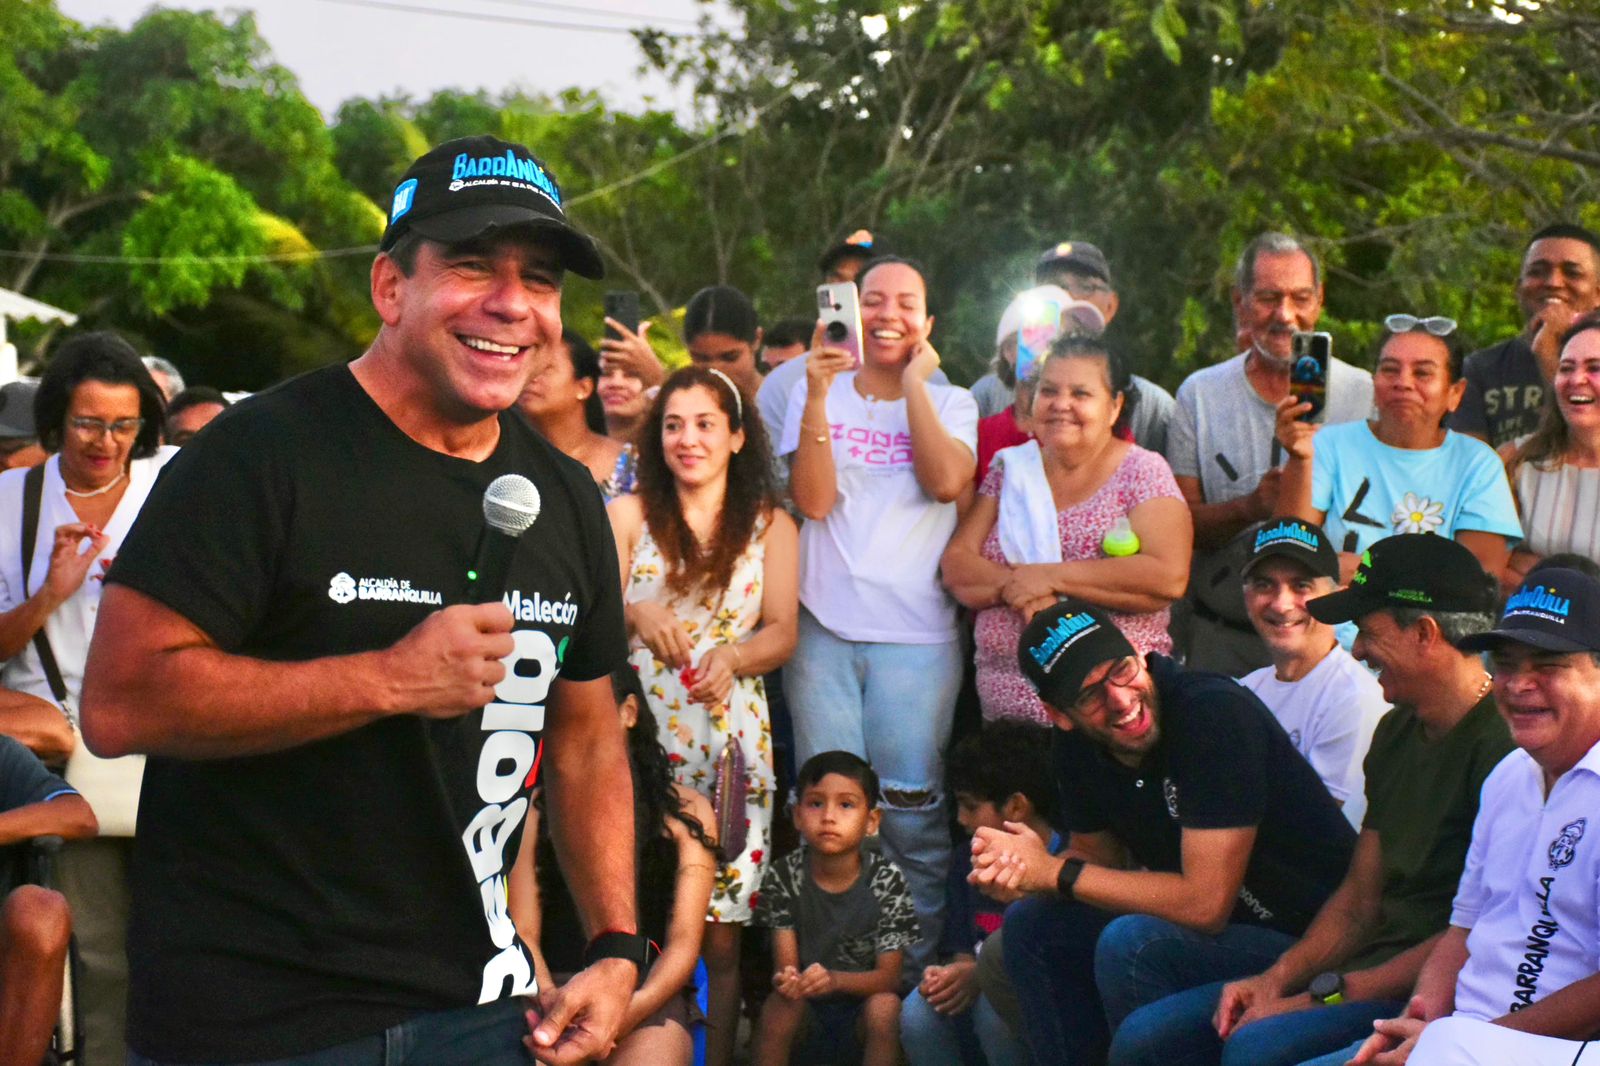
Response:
column 342, row 738
column 1221, row 442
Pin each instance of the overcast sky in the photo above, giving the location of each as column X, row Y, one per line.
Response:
column 344, row 48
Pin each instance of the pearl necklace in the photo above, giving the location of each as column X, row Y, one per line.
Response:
column 107, row 487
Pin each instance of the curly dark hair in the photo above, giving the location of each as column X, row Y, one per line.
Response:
column 750, row 495
column 655, row 799
column 99, row 356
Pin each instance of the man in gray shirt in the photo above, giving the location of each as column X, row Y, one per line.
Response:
column 1221, row 442
column 1507, row 382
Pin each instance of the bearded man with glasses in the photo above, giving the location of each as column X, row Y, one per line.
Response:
column 1190, row 814
column 1404, row 471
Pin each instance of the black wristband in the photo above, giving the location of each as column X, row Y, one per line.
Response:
column 615, row 944
column 1068, row 877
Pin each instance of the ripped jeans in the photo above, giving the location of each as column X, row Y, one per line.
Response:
column 891, row 704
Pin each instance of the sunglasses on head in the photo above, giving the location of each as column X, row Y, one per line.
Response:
column 1437, row 325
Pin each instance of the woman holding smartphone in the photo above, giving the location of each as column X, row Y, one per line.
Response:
column 878, row 457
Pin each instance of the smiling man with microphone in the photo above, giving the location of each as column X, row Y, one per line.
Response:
column 357, row 623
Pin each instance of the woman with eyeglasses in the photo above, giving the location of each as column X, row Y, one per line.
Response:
column 1402, row 472
column 100, row 412
column 1555, row 471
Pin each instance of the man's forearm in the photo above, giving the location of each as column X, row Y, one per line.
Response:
column 1572, row 1013
column 202, row 703
column 589, row 803
column 1392, row 979
column 1217, row 523
column 67, row 816
column 1160, row 895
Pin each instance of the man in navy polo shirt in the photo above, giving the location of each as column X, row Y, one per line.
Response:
column 1190, row 814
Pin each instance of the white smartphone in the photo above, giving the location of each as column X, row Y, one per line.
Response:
column 839, row 309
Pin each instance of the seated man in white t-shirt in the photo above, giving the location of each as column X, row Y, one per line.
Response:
column 1524, row 938
column 1328, row 702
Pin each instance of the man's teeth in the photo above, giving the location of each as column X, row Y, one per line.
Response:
column 490, row 346
column 1128, row 718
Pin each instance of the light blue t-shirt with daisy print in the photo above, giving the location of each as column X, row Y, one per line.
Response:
column 1370, row 490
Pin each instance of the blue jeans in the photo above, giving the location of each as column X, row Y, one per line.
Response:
column 490, row 1034
column 891, row 704
column 1141, row 959
column 1049, row 956
column 933, row 1039
column 1337, row 1058
column 1177, row 1031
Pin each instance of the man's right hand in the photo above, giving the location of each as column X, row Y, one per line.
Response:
column 1545, row 330
column 1238, row 998
column 449, row 663
column 1295, row 435
column 1264, row 498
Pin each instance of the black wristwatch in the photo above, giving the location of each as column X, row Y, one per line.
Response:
column 615, row 944
column 1068, row 877
column 1327, row 989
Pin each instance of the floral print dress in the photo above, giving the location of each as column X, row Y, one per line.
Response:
column 694, row 734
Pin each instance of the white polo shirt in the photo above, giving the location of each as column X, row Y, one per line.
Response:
column 1530, row 893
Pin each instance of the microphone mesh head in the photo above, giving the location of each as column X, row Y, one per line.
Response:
column 510, row 504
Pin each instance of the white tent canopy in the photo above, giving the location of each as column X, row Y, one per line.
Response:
column 15, row 306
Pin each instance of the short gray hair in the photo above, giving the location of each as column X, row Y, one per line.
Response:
column 1271, row 243
column 157, row 365
column 1455, row 626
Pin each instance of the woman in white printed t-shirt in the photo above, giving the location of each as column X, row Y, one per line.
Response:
column 100, row 412
column 878, row 456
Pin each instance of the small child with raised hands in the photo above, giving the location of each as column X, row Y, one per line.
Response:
column 841, row 918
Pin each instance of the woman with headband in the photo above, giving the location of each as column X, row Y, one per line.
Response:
column 709, row 574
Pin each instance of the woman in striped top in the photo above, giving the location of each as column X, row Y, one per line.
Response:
column 1555, row 471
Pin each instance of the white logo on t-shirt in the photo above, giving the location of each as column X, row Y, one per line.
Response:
column 342, row 589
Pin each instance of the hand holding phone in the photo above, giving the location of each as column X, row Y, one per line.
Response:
column 839, row 315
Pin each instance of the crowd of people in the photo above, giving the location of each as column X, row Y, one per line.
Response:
column 1061, row 720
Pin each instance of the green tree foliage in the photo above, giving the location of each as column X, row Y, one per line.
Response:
column 1415, row 146
column 181, row 149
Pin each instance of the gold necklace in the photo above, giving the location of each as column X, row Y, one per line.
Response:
column 107, row 487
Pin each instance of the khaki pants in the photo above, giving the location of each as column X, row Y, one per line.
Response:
column 94, row 878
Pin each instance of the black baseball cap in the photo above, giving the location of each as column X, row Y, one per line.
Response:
column 859, row 243
column 1080, row 256
column 16, row 410
column 1292, row 538
column 1063, row 644
column 1556, row 609
column 466, row 187
column 1421, row 570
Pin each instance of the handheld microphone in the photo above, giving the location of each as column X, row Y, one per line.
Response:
column 510, row 506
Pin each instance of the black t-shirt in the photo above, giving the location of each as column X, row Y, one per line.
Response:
column 1505, row 393
column 1222, row 762
column 288, row 902
column 24, row 780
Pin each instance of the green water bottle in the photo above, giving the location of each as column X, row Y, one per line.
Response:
column 1121, row 540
